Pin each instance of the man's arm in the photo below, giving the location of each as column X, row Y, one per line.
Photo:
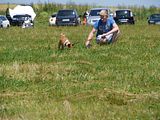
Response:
column 90, row 36
column 114, row 29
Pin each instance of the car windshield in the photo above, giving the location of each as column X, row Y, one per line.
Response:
column 3, row 18
column 22, row 17
column 123, row 13
column 94, row 12
column 66, row 13
column 155, row 16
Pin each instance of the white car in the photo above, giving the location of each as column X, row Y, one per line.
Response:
column 52, row 20
column 4, row 22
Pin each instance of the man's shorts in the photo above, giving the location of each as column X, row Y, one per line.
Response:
column 107, row 39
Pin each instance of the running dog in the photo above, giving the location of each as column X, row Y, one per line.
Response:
column 64, row 42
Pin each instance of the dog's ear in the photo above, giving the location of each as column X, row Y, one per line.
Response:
column 62, row 34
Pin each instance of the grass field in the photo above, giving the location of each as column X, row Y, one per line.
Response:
column 112, row 82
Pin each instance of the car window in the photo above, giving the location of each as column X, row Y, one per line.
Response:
column 123, row 13
column 66, row 13
column 21, row 17
column 94, row 12
column 3, row 18
column 155, row 16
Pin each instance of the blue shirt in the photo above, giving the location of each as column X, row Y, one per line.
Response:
column 104, row 27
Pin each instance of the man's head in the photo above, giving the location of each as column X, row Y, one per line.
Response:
column 103, row 15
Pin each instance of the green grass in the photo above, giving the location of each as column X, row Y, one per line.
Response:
column 118, row 81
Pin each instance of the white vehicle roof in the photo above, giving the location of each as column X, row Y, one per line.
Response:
column 21, row 10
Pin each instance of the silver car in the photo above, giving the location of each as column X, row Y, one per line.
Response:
column 93, row 16
column 4, row 23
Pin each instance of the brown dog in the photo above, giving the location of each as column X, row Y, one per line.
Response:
column 64, row 42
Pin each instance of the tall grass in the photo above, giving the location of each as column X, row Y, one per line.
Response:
column 54, row 7
column 3, row 7
column 141, row 13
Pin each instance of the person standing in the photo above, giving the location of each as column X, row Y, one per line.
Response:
column 86, row 13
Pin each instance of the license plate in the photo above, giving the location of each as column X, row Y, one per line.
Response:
column 123, row 20
column 65, row 20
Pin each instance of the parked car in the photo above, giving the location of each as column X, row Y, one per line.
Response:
column 94, row 15
column 124, row 16
column 4, row 23
column 21, row 15
column 67, row 17
column 154, row 19
column 20, row 19
column 52, row 20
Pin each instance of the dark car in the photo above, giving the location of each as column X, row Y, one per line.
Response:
column 124, row 16
column 154, row 19
column 67, row 17
column 20, row 19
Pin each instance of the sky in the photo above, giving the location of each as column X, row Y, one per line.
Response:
column 146, row 3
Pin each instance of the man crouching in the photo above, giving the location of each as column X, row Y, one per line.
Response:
column 106, row 28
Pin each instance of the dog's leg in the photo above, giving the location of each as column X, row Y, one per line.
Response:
column 59, row 45
column 62, row 46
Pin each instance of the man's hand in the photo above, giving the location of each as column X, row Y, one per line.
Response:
column 88, row 45
column 99, row 37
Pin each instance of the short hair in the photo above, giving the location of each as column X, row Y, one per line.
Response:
column 103, row 13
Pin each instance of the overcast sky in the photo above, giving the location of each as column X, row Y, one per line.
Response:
column 145, row 3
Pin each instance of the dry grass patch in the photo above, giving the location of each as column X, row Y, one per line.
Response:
column 34, row 71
